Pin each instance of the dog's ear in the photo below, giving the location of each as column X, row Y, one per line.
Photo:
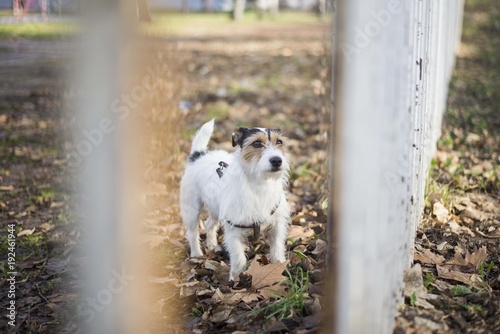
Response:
column 238, row 136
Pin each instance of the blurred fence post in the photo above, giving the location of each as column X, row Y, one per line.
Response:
column 105, row 148
column 392, row 65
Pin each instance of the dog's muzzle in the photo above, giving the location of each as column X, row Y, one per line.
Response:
column 276, row 163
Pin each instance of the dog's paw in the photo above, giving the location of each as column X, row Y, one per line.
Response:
column 196, row 254
column 215, row 248
column 279, row 258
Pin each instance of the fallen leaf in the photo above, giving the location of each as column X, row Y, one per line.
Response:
column 266, row 279
column 440, row 212
column 212, row 265
column 320, row 248
column 249, row 297
column 450, row 272
column 221, row 316
column 472, row 259
column 297, row 231
column 428, row 257
column 414, row 284
column 26, row 232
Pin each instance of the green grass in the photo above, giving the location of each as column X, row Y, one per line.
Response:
column 460, row 290
column 175, row 23
column 284, row 306
column 37, row 30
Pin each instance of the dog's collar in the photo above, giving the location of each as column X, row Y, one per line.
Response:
column 255, row 226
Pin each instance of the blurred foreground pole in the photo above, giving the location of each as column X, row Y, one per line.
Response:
column 106, row 147
column 392, row 65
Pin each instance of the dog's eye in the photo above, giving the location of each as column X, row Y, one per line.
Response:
column 257, row 144
column 279, row 142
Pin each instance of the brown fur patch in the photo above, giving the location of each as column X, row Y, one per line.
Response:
column 252, row 154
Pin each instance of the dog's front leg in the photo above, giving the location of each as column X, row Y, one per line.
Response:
column 235, row 246
column 277, row 239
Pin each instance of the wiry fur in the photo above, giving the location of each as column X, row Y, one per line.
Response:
column 246, row 193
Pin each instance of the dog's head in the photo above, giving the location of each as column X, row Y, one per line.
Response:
column 263, row 151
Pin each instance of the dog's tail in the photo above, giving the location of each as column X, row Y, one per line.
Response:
column 201, row 139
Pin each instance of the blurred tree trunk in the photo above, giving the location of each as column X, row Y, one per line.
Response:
column 185, row 6
column 16, row 7
column 274, row 8
column 143, row 10
column 239, row 9
column 209, row 5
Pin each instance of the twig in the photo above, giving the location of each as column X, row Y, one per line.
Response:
column 40, row 293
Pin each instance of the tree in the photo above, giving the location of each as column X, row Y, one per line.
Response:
column 143, row 11
column 239, row 9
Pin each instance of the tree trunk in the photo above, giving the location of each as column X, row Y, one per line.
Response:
column 143, row 10
column 209, row 6
column 185, row 6
column 239, row 9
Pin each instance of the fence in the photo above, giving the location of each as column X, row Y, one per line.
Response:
column 392, row 65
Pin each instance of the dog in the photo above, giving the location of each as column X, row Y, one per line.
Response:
column 244, row 191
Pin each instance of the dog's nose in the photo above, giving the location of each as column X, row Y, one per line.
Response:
column 276, row 161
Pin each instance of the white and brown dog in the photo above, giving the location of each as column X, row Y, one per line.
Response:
column 244, row 191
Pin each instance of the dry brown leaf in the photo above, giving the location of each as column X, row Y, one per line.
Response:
column 414, row 284
column 476, row 257
column 212, row 265
column 221, row 315
column 26, row 232
column 320, row 248
column 249, row 297
column 472, row 259
column 190, row 288
column 266, row 276
column 428, row 257
column 440, row 212
column 450, row 272
column 297, row 231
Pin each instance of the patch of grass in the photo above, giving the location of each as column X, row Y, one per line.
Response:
column 176, row 23
column 32, row 243
column 38, row 30
column 460, row 290
column 442, row 190
column 48, row 193
column 198, row 311
column 484, row 270
column 285, row 306
column 413, row 299
column 429, row 279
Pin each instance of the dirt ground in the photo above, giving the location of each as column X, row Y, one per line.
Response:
column 271, row 78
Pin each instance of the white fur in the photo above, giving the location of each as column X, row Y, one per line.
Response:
column 246, row 193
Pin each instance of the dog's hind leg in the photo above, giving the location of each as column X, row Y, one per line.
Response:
column 212, row 226
column 190, row 213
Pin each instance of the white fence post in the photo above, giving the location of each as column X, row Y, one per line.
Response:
column 392, row 65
